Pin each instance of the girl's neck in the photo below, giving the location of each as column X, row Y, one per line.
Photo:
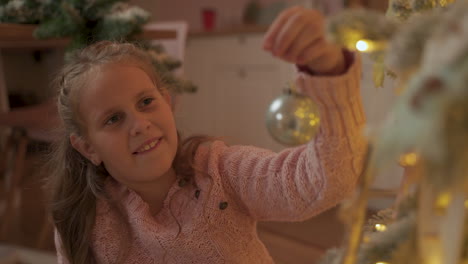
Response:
column 155, row 193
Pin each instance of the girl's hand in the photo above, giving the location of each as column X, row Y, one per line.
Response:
column 297, row 36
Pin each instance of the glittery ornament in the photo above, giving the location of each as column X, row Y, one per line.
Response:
column 292, row 119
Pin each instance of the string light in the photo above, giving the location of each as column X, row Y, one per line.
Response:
column 380, row 227
column 409, row 159
column 366, row 45
column 443, row 200
column 362, row 45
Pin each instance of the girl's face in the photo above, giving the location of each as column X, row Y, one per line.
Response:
column 129, row 125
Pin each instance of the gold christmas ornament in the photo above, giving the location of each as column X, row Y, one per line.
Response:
column 292, row 119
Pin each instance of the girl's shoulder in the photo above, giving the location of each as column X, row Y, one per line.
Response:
column 209, row 151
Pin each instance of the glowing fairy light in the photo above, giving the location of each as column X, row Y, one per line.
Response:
column 366, row 45
column 362, row 45
column 409, row 159
column 380, row 227
column 443, row 201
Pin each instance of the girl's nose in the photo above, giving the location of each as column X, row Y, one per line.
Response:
column 139, row 124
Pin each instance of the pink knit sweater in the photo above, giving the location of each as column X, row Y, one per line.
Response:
column 215, row 221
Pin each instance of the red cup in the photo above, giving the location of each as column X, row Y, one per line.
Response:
column 208, row 19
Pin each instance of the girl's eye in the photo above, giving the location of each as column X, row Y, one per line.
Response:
column 147, row 101
column 113, row 119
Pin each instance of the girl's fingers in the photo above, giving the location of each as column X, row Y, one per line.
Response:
column 306, row 38
column 313, row 52
column 270, row 35
column 329, row 60
column 288, row 34
column 297, row 36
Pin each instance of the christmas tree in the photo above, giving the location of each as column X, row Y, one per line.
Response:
column 89, row 21
column 424, row 44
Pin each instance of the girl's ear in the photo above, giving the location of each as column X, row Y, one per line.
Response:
column 85, row 148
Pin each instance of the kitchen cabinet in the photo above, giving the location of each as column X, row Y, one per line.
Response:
column 237, row 81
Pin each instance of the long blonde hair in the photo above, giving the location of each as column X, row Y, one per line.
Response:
column 74, row 182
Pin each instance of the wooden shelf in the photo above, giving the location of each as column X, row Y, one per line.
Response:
column 21, row 36
column 238, row 30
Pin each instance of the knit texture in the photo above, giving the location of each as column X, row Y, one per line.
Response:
column 214, row 220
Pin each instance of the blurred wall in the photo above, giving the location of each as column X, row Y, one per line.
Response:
column 229, row 12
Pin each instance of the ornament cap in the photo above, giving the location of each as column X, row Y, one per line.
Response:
column 290, row 89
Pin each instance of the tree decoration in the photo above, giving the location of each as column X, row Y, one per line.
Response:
column 365, row 31
column 21, row 11
column 368, row 31
column 292, row 119
column 89, row 21
column 361, row 30
column 426, row 131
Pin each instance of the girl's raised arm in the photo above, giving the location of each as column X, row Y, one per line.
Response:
column 300, row 182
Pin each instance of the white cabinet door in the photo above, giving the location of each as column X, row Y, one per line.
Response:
column 237, row 81
column 242, row 96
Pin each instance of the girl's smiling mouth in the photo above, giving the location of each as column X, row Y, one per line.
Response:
column 148, row 146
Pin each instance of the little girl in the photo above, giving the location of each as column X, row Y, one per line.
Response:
column 127, row 190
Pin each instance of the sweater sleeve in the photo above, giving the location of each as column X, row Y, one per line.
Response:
column 300, row 182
